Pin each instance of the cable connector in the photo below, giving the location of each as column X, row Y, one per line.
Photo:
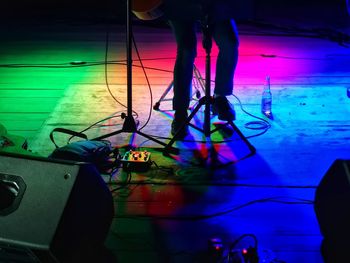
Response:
column 250, row 255
column 216, row 249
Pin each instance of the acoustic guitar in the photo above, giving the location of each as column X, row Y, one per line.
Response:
column 147, row 9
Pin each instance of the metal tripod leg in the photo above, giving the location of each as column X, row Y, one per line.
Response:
column 198, row 83
column 162, row 98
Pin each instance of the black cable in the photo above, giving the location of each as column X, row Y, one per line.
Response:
column 79, row 64
column 108, row 88
column 257, row 125
column 124, row 184
column 250, row 254
column 217, row 214
column 93, row 125
column 239, row 239
column 152, row 182
column 106, row 70
column 262, row 124
column 126, row 195
column 73, row 64
column 163, row 169
column 148, row 84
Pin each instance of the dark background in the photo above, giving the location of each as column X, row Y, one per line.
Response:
column 328, row 11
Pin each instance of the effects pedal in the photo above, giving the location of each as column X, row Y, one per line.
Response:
column 136, row 160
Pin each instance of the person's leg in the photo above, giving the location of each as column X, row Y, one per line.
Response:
column 226, row 37
column 185, row 35
column 186, row 41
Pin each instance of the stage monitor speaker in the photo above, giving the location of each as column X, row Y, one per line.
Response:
column 332, row 207
column 50, row 210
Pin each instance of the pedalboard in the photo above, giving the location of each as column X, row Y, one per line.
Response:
column 136, row 160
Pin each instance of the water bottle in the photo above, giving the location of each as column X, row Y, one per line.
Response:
column 266, row 99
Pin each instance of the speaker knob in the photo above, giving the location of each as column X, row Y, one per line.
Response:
column 8, row 193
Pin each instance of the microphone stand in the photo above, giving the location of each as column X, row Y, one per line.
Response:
column 207, row 101
column 129, row 125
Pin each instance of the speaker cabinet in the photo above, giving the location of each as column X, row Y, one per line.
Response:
column 52, row 211
column 332, row 207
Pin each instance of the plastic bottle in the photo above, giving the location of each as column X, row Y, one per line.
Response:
column 266, row 99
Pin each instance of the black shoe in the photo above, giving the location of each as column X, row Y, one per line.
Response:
column 179, row 120
column 223, row 109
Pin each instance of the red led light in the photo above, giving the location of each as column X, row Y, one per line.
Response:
column 244, row 251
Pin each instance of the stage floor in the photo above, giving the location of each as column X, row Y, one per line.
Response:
column 55, row 75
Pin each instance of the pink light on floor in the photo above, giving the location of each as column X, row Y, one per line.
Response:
column 271, row 57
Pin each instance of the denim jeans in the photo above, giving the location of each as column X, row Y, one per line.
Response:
column 225, row 36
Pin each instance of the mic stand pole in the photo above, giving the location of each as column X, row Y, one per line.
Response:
column 129, row 122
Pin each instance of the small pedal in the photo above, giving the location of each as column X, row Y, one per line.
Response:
column 136, row 160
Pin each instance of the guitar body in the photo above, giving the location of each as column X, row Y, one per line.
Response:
column 147, row 9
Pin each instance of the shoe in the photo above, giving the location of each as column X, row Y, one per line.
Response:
column 223, row 109
column 178, row 121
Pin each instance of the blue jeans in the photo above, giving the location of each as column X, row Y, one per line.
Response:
column 226, row 38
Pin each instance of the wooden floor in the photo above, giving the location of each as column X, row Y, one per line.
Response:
column 213, row 190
